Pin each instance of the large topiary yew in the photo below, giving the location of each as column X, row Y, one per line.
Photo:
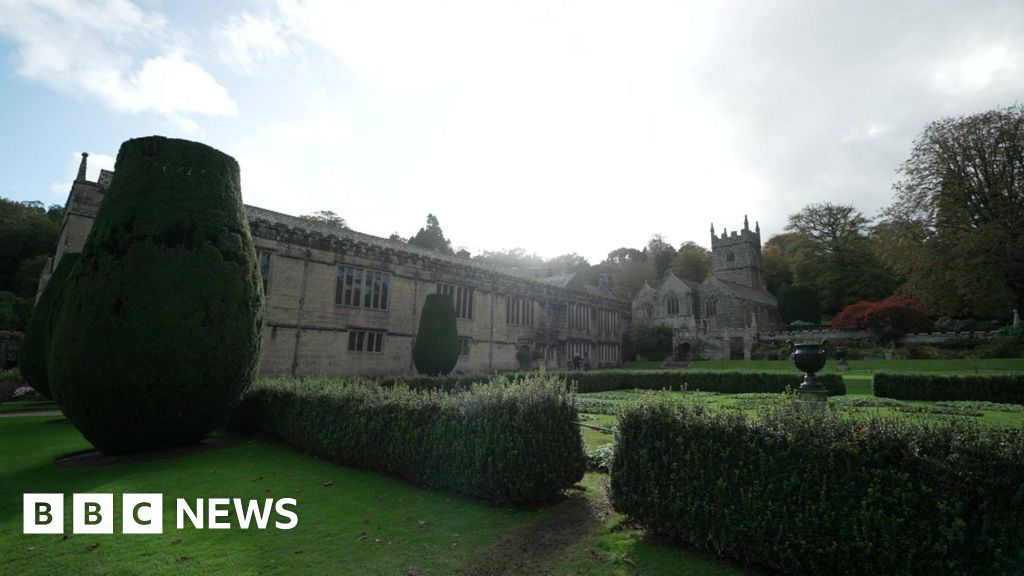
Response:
column 157, row 330
column 437, row 343
column 35, row 345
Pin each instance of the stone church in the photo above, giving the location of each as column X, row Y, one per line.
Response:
column 340, row 302
column 719, row 318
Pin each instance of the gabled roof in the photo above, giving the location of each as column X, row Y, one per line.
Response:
column 673, row 280
column 745, row 292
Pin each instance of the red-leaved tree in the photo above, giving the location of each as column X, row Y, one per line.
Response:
column 889, row 319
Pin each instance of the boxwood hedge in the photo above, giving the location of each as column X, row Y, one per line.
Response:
column 728, row 382
column 998, row 388
column 810, row 494
column 512, row 441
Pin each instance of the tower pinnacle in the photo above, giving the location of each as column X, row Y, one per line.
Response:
column 82, row 166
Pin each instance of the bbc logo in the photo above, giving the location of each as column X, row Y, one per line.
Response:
column 93, row 513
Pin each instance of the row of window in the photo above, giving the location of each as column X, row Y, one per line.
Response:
column 461, row 296
column 607, row 321
column 607, row 353
column 365, row 340
column 674, row 306
column 360, row 340
column 579, row 316
column 362, row 288
column 365, row 288
column 519, row 311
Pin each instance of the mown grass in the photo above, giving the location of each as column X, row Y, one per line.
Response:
column 27, row 406
column 361, row 523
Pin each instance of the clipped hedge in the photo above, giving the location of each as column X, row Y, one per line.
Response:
column 1008, row 388
column 157, row 330
column 436, row 350
column 825, row 495
column 514, row 441
column 601, row 381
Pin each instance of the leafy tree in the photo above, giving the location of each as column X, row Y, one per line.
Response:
column 512, row 258
column 326, row 217
column 157, row 330
column 28, row 235
column 629, row 268
column 832, row 253
column 647, row 339
column 692, row 262
column 889, row 319
column 661, row 254
column 436, row 350
column 567, row 264
column 830, row 227
column 955, row 231
column 432, row 237
column 14, row 311
column 799, row 304
column 778, row 257
column 624, row 255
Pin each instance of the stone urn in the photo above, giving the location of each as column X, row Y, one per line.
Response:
column 809, row 358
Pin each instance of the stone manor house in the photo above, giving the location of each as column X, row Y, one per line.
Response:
column 340, row 302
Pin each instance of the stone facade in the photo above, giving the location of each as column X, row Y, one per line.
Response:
column 721, row 317
column 340, row 302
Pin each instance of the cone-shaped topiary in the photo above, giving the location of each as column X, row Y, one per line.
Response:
column 437, row 343
column 33, row 352
column 157, row 330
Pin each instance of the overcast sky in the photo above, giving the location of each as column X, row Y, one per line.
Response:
column 553, row 126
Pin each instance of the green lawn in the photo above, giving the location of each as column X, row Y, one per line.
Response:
column 362, row 523
column 27, row 406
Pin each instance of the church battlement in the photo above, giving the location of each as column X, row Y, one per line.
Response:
column 735, row 237
column 736, row 256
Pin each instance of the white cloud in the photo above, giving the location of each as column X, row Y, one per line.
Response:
column 94, row 47
column 974, row 71
column 297, row 166
column 247, row 42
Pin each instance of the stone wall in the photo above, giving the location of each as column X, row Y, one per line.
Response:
column 308, row 331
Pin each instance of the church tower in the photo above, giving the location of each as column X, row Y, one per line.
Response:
column 736, row 257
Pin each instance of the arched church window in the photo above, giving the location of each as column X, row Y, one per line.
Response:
column 647, row 310
column 672, row 303
column 710, row 307
column 730, row 256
